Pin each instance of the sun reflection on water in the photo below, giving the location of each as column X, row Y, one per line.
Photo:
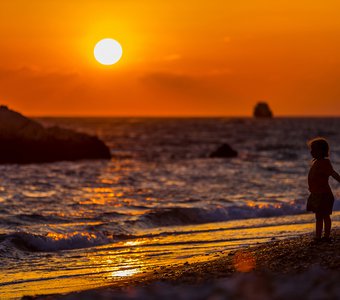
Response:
column 125, row 273
column 63, row 236
column 260, row 205
column 135, row 242
column 113, row 265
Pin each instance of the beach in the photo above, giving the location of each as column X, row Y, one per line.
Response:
column 160, row 201
column 291, row 268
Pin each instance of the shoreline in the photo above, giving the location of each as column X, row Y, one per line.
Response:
column 288, row 258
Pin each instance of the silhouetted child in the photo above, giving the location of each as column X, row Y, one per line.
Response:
column 321, row 198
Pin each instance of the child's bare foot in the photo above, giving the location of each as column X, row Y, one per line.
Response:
column 328, row 239
column 316, row 241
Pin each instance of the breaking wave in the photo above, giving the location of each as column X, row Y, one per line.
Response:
column 185, row 215
column 54, row 241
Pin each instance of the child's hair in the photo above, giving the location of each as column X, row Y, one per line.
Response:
column 319, row 147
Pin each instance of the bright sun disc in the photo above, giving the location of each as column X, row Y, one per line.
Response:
column 108, row 51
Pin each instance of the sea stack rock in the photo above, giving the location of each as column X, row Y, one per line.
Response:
column 224, row 151
column 262, row 110
column 23, row 140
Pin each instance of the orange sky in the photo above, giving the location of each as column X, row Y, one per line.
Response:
column 180, row 58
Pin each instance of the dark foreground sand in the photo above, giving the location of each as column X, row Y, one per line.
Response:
column 287, row 269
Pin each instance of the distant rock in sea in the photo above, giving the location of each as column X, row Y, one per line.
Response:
column 262, row 110
column 23, row 141
column 224, row 151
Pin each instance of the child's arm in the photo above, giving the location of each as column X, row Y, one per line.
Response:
column 335, row 175
column 329, row 169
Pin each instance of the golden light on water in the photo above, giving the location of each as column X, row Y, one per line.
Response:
column 131, row 266
column 120, row 260
column 263, row 205
column 117, row 263
column 64, row 236
column 125, row 273
column 135, row 242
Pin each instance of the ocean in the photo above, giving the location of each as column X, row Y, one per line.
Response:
column 160, row 200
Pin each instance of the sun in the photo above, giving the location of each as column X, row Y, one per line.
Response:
column 108, row 51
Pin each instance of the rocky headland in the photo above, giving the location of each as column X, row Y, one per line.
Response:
column 23, row 140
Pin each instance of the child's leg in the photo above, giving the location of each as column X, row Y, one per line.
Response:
column 328, row 225
column 318, row 225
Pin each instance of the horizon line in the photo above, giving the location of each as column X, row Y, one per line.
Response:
column 182, row 116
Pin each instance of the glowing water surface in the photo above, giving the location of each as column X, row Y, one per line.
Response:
column 75, row 270
column 68, row 226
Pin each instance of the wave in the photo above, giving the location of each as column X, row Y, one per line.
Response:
column 55, row 242
column 185, row 215
column 52, row 242
column 38, row 218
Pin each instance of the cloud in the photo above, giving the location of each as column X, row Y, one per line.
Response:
column 61, row 92
column 28, row 75
column 212, row 83
column 170, row 81
column 30, row 87
column 204, row 92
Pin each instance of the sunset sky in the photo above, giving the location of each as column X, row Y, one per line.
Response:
column 180, row 58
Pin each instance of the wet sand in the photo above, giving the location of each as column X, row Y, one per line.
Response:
column 292, row 267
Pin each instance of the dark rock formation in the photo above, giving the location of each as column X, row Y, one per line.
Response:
column 224, row 151
column 262, row 110
column 23, row 140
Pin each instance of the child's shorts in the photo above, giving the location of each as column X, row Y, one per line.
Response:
column 320, row 203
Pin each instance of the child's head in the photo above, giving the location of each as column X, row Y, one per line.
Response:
column 319, row 148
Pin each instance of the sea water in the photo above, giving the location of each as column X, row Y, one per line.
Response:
column 160, row 200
